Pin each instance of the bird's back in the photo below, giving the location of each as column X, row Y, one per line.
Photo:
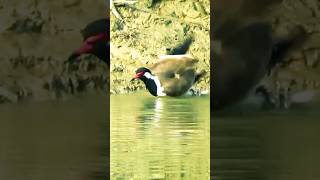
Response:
column 243, row 61
column 176, row 73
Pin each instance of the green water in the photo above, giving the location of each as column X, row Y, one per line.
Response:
column 249, row 144
column 159, row 138
column 55, row 140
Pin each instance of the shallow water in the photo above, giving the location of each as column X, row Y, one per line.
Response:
column 65, row 140
column 152, row 138
column 159, row 138
column 249, row 144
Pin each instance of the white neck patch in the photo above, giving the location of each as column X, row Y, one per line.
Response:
column 158, row 84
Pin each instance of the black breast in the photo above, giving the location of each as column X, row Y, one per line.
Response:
column 151, row 86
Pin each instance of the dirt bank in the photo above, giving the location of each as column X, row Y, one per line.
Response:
column 301, row 69
column 36, row 38
column 149, row 29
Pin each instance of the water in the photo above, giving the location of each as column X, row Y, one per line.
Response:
column 249, row 144
column 159, row 138
column 64, row 140
column 153, row 138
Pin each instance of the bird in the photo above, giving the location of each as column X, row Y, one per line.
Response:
column 173, row 75
column 96, row 41
column 240, row 60
column 245, row 55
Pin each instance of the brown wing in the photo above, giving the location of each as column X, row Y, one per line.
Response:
column 179, row 84
column 176, row 73
column 173, row 64
column 243, row 61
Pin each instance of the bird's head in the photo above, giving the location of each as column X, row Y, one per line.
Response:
column 142, row 73
column 95, row 41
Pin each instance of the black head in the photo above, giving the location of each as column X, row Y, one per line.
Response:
column 95, row 41
column 140, row 73
column 149, row 82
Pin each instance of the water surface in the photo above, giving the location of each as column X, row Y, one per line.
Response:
column 55, row 140
column 252, row 144
column 159, row 138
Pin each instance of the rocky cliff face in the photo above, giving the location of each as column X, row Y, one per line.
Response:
column 36, row 37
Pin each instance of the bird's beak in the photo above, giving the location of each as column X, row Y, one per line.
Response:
column 138, row 75
column 134, row 78
column 85, row 48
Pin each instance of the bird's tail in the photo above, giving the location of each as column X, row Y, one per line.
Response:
column 199, row 75
column 181, row 48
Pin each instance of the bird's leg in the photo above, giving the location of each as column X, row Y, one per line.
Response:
column 196, row 92
column 268, row 100
column 280, row 99
column 283, row 98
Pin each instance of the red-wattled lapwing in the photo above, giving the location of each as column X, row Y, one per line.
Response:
column 173, row 75
column 245, row 55
column 95, row 41
column 240, row 62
